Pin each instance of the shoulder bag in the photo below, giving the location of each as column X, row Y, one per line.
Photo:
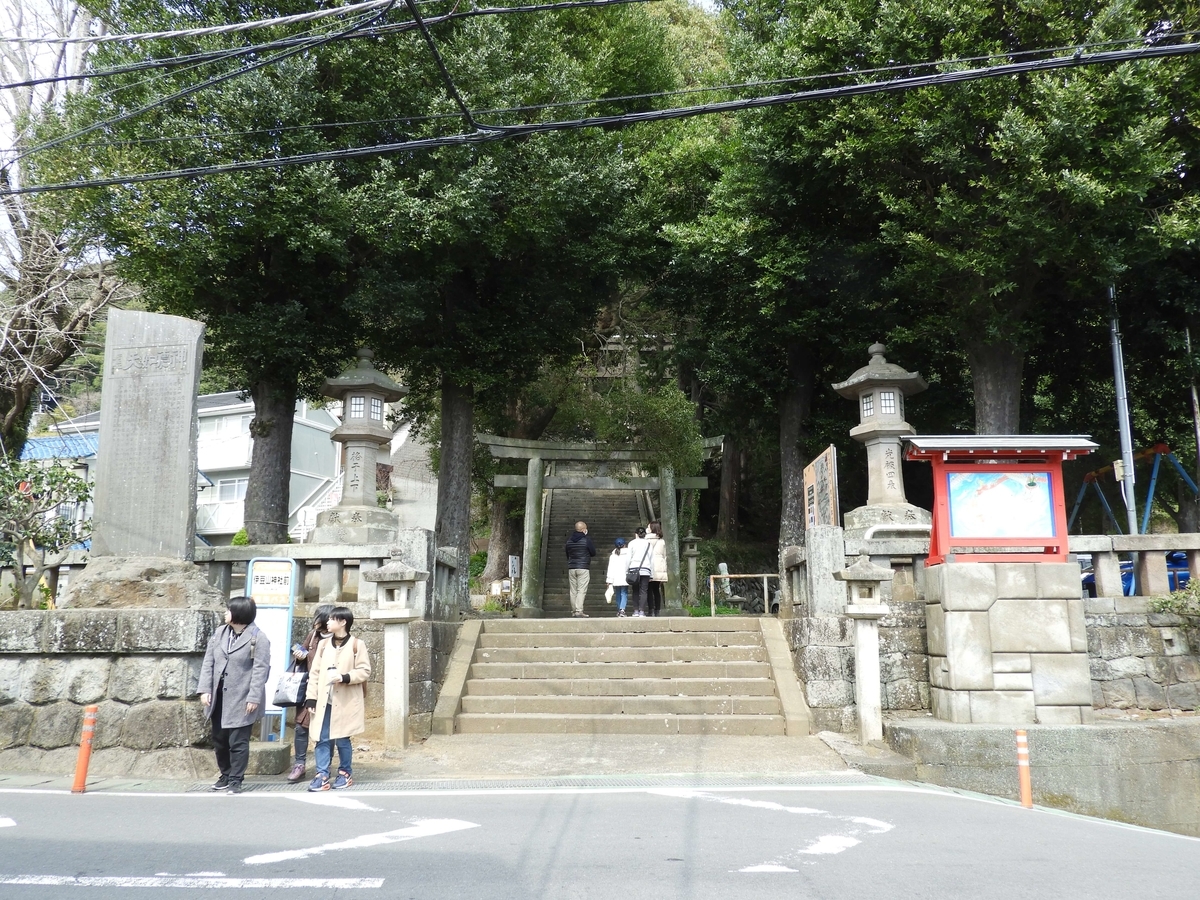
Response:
column 632, row 576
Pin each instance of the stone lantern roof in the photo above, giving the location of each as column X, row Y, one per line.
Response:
column 879, row 372
column 364, row 377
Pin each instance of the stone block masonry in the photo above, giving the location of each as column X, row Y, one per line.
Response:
column 1141, row 659
column 430, row 646
column 140, row 666
column 1007, row 644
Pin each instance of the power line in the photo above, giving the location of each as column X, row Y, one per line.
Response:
column 537, row 107
column 375, row 31
column 201, row 31
column 191, row 89
column 451, row 87
column 495, row 133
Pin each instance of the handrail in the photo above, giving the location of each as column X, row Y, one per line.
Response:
column 712, row 597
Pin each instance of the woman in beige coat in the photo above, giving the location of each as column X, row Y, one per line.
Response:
column 337, row 698
column 658, row 568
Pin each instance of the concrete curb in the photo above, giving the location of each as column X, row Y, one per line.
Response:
column 787, row 687
column 454, row 685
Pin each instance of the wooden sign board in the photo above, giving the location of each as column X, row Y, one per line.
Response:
column 821, row 490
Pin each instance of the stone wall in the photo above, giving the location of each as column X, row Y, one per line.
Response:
column 430, row 645
column 1146, row 773
column 823, row 647
column 1140, row 659
column 141, row 666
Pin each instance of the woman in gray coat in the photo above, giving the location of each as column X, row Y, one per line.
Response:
column 233, row 684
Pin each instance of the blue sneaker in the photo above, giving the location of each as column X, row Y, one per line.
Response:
column 343, row 780
column 320, row 783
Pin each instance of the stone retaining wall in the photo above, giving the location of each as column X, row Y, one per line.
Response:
column 141, row 666
column 1140, row 659
column 823, row 647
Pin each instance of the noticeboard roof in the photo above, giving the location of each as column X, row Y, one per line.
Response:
column 978, row 445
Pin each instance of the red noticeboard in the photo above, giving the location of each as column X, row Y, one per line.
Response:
column 998, row 498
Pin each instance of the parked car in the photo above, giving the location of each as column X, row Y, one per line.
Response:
column 1177, row 574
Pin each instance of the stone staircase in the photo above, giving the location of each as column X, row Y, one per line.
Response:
column 609, row 515
column 730, row 675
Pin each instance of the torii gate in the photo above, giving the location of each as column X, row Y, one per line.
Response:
column 538, row 453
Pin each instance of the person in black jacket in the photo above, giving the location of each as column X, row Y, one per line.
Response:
column 580, row 551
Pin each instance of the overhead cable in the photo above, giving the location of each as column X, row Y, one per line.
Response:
column 373, row 31
column 209, row 82
column 492, row 133
column 202, row 31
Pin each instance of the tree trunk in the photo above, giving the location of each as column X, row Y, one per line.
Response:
column 731, row 477
column 266, row 504
column 454, row 484
column 794, row 408
column 996, row 370
column 504, row 538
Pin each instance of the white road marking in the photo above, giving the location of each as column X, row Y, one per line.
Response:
column 189, row 881
column 331, row 799
column 6, row 822
column 831, row 843
column 825, row 845
column 419, row 829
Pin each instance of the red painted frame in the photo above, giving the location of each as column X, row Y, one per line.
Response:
column 943, row 544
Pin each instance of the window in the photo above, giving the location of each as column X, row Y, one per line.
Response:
column 376, row 409
column 887, row 402
column 356, row 407
column 868, row 402
column 209, row 426
column 244, row 424
column 231, row 489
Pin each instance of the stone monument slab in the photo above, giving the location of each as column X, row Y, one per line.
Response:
column 145, row 498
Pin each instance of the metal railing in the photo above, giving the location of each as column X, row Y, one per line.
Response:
column 712, row 596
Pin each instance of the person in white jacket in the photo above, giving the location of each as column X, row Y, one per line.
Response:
column 641, row 564
column 616, row 577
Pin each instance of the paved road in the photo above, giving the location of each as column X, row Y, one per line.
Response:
column 875, row 839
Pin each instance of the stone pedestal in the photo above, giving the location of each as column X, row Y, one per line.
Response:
column 867, row 693
column 115, row 582
column 355, row 524
column 1007, row 643
column 395, row 675
column 899, row 514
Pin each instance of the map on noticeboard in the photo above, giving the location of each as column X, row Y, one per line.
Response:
column 1000, row 504
column 821, row 490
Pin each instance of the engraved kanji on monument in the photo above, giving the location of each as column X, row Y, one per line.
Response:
column 145, row 501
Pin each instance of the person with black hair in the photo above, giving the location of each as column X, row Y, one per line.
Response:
column 303, row 654
column 337, row 698
column 233, row 689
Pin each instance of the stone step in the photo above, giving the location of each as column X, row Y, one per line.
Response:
column 574, row 670
column 557, row 723
column 634, row 706
column 683, row 624
column 621, row 687
column 619, row 654
column 624, row 638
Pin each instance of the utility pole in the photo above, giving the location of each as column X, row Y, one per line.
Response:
column 1187, row 336
column 1123, row 417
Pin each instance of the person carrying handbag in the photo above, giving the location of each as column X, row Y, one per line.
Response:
column 336, row 698
column 304, row 656
column 640, row 571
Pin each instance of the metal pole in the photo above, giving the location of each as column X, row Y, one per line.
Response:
column 1123, row 417
column 1187, row 335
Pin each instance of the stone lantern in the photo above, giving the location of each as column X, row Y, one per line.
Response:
column 865, row 580
column 358, row 518
column 879, row 389
column 691, row 554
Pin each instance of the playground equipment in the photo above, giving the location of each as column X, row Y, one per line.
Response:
column 1158, row 452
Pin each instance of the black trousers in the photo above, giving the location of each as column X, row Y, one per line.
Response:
column 656, row 596
column 232, row 744
column 639, row 593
